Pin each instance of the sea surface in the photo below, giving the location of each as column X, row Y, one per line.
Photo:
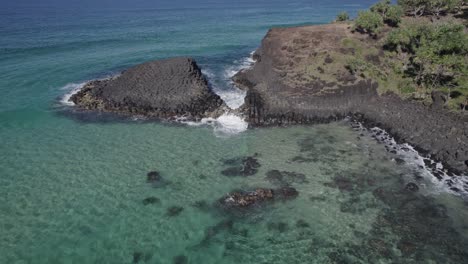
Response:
column 73, row 187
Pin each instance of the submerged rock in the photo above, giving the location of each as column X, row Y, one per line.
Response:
column 151, row 200
column 162, row 88
column 246, row 166
column 243, row 199
column 155, row 179
column 285, row 178
column 174, row 211
column 280, row 227
column 181, row 259
column 413, row 187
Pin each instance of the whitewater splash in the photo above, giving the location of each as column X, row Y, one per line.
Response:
column 71, row 89
column 424, row 169
column 226, row 125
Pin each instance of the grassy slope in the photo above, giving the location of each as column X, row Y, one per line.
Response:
column 367, row 55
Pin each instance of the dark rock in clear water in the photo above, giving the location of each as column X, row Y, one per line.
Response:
column 151, row 200
column 156, row 180
column 302, row 224
column 137, row 257
column 286, row 193
column 181, row 259
column 201, row 205
column 174, row 211
column 246, row 166
column 153, row 177
column 212, row 231
column 285, row 178
column 379, row 246
column 413, row 187
column 342, row 183
column 280, row 227
column 438, row 174
column 244, row 199
column 275, row 177
column 400, row 161
column 406, row 247
column 163, row 88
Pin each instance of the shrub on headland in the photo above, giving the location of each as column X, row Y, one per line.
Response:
column 368, row 22
column 341, row 17
column 430, row 7
column 438, row 55
column 391, row 14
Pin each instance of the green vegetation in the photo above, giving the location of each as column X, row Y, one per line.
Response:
column 391, row 14
column 368, row 22
column 430, row 7
column 424, row 52
column 343, row 16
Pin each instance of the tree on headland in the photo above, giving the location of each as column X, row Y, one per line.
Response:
column 438, row 55
column 343, row 16
column 414, row 7
column 368, row 22
column 391, row 14
column 430, row 7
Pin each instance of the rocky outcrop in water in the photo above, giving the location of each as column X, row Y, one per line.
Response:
column 300, row 78
column 162, row 89
column 244, row 199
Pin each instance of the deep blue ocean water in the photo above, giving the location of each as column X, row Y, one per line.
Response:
column 72, row 189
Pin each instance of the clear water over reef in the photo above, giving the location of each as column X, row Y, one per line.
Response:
column 73, row 189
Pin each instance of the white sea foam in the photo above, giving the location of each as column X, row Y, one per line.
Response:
column 71, row 89
column 227, row 124
column 436, row 176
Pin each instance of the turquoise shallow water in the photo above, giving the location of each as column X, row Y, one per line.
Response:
column 72, row 189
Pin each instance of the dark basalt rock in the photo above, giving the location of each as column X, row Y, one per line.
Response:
column 302, row 224
column 163, row 89
column 151, row 200
column 174, row 211
column 201, row 205
column 412, row 187
column 342, row 183
column 400, row 161
column 247, row 166
column 245, row 199
column 280, row 227
column 137, row 256
column 285, row 178
column 181, row 259
column 153, row 177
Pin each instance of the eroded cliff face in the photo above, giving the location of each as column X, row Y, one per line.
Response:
column 300, row 77
column 162, row 88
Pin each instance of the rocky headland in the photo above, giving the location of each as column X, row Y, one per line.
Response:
column 300, row 77
column 170, row 88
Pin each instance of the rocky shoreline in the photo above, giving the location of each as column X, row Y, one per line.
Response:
column 281, row 90
column 297, row 78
